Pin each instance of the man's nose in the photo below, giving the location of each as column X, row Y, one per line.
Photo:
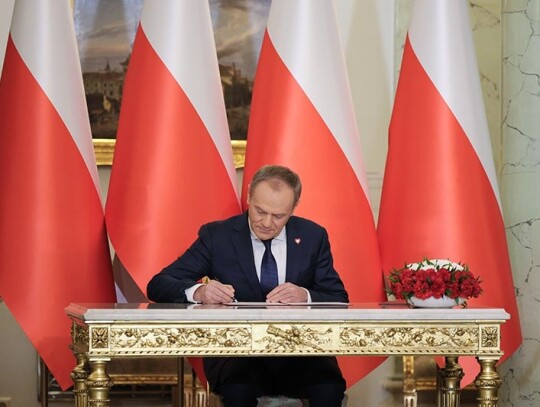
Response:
column 267, row 220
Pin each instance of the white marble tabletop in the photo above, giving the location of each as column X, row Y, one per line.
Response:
column 388, row 311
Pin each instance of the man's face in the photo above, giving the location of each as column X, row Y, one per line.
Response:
column 270, row 207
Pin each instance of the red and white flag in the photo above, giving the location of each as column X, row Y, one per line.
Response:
column 302, row 117
column 173, row 167
column 440, row 197
column 52, row 229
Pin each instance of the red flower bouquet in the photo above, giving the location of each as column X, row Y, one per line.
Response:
column 434, row 278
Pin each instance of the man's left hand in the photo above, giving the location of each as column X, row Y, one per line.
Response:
column 287, row 292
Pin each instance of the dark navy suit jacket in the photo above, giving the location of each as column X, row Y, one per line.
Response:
column 223, row 251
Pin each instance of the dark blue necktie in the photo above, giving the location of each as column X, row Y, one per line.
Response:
column 269, row 275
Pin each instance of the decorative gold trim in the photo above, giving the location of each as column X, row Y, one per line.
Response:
column 100, row 337
column 347, row 338
column 410, row 396
column 459, row 339
column 296, row 339
column 222, row 338
column 490, row 336
column 239, row 153
column 104, row 151
column 99, row 384
column 128, row 378
column 450, row 376
column 487, row 382
column 79, row 335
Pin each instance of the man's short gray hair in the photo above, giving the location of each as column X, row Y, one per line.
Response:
column 279, row 172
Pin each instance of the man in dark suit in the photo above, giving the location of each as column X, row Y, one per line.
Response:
column 266, row 255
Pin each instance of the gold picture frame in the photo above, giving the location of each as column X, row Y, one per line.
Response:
column 105, row 34
column 104, row 151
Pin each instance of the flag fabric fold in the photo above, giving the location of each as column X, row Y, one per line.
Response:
column 173, row 167
column 302, row 117
column 440, row 197
column 52, row 229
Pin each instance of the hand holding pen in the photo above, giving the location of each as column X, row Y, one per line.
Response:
column 214, row 292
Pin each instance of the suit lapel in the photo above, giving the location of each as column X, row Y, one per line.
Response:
column 293, row 251
column 244, row 252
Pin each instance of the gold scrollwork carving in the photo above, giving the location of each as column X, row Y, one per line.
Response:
column 294, row 338
column 101, row 383
column 452, row 374
column 167, row 338
column 487, row 383
column 410, row 337
column 100, row 338
column 78, row 375
column 490, row 337
column 99, row 403
column 79, row 334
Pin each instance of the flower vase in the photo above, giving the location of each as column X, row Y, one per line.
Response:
column 432, row 302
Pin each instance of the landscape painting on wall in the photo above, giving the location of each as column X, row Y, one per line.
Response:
column 105, row 33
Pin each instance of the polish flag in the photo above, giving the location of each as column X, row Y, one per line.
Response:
column 173, row 166
column 440, row 197
column 53, row 244
column 302, row 117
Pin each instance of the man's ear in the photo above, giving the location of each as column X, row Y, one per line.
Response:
column 248, row 194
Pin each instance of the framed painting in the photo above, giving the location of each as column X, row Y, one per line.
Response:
column 105, row 34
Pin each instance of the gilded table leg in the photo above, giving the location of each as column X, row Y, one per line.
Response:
column 487, row 382
column 99, row 384
column 410, row 396
column 449, row 380
column 79, row 375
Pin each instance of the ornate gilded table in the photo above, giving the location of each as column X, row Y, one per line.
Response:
column 101, row 332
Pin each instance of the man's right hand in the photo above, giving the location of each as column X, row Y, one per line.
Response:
column 214, row 293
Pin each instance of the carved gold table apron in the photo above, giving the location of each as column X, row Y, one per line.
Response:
column 101, row 332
